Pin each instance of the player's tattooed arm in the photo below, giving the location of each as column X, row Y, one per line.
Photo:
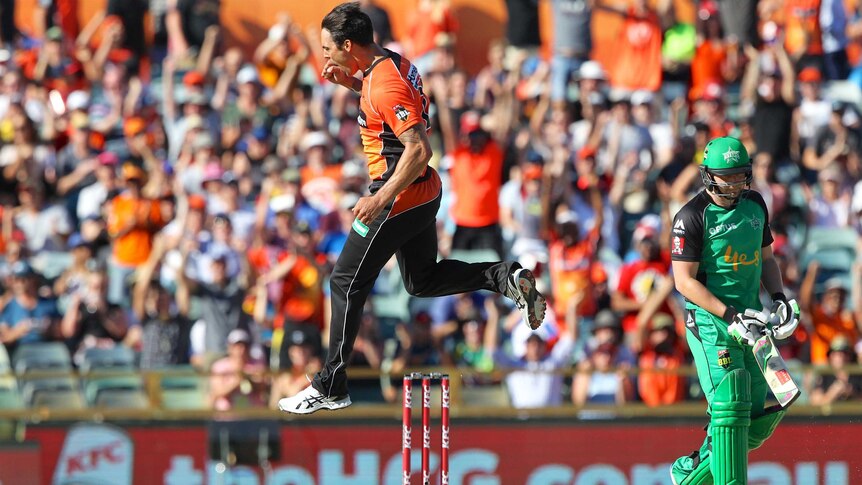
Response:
column 412, row 164
column 414, row 134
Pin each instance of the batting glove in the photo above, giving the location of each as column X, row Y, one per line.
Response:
column 785, row 314
column 745, row 327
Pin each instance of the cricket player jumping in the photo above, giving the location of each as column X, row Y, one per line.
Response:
column 721, row 248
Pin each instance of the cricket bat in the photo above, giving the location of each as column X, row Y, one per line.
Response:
column 775, row 371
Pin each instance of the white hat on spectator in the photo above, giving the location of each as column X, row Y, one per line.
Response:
column 592, row 70
column 282, row 203
column 348, row 200
column 641, row 97
column 194, row 122
column 351, row 169
column 196, row 99
column 620, row 95
column 856, row 203
column 248, row 74
column 237, row 336
column 77, row 100
column 313, row 139
column 566, row 217
column 549, row 330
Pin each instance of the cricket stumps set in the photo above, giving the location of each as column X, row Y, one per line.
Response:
column 406, row 428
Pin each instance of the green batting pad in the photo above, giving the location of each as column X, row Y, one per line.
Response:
column 762, row 427
column 700, row 475
column 731, row 417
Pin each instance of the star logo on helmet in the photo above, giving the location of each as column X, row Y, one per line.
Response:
column 731, row 156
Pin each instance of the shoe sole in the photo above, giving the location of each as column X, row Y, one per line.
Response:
column 526, row 286
column 330, row 406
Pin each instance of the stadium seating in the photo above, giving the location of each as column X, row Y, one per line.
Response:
column 122, row 399
column 42, row 356
column 52, row 392
column 820, row 239
column 5, row 363
column 10, row 398
column 490, row 395
column 115, row 358
column 96, row 386
column 834, row 250
column 184, row 392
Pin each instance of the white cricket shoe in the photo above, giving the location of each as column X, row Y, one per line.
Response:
column 521, row 288
column 310, row 400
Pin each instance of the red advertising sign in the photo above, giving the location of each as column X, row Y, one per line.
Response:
column 499, row 453
column 15, row 459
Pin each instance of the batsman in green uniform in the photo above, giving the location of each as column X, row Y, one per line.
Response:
column 721, row 248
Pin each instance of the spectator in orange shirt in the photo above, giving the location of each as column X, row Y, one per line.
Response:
column 476, row 176
column 716, row 60
column 572, row 257
column 638, row 59
column 664, row 352
column 132, row 222
column 829, row 318
column 432, row 25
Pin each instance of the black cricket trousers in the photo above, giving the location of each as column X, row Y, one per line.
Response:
column 407, row 228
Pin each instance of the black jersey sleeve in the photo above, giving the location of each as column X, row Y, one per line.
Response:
column 686, row 235
column 755, row 197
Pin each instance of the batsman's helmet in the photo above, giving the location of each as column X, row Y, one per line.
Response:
column 725, row 156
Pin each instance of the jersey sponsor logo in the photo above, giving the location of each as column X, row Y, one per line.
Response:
column 678, row 245
column 401, row 112
column 361, row 119
column 359, row 227
column 723, row 228
column 755, row 223
column 736, row 259
column 414, row 78
column 689, row 320
column 724, row 359
column 731, row 156
column 679, row 225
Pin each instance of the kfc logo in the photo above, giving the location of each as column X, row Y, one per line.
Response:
column 678, row 245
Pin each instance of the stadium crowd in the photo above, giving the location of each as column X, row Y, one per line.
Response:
column 188, row 201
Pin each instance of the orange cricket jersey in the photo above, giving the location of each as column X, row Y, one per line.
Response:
column 392, row 101
column 802, row 20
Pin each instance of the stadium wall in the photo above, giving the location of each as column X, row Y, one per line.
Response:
column 327, row 452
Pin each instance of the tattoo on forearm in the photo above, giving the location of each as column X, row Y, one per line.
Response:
column 413, row 134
